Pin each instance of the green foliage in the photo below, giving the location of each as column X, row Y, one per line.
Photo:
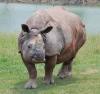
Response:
column 86, row 70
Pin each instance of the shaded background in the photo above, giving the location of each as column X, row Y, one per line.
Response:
column 12, row 15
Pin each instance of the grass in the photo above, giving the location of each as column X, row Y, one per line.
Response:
column 86, row 70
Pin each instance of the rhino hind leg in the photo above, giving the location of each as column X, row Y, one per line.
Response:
column 66, row 70
column 49, row 66
column 31, row 84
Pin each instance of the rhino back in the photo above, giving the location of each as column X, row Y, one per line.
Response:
column 63, row 17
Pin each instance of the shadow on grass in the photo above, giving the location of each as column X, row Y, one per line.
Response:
column 19, row 87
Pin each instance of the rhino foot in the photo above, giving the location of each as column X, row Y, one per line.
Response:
column 31, row 84
column 63, row 75
column 49, row 81
column 69, row 75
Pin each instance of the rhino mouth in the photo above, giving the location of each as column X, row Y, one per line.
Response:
column 38, row 56
column 38, row 60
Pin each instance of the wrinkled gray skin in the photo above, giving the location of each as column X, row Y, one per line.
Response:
column 51, row 36
column 32, row 47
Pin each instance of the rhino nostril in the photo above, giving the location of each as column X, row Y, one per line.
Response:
column 34, row 56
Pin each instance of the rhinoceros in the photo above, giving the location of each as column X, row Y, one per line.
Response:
column 50, row 36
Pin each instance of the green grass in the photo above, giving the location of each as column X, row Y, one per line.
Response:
column 86, row 70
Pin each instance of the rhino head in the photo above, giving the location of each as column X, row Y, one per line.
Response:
column 33, row 47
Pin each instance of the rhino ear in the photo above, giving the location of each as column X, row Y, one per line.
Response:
column 25, row 28
column 46, row 30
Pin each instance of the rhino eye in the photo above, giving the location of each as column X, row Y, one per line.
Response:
column 39, row 41
column 29, row 46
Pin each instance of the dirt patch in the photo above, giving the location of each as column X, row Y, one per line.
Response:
column 90, row 71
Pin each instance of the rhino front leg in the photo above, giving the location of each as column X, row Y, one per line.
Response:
column 32, row 76
column 66, row 70
column 49, row 66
